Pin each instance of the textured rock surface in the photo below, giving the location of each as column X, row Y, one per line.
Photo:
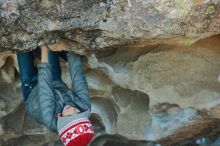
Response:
column 141, row 96
column 88, row 26
column 153, row 80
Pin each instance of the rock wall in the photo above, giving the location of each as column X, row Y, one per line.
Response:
column 141, row 96
column 88, row 26
column 152, row 68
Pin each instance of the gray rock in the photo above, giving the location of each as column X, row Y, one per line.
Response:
column 88, row 26
column 155, row 95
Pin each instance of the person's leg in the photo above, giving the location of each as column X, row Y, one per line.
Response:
column 54, row 61
column 63, row 55
column 28, row 72
column 36, row 52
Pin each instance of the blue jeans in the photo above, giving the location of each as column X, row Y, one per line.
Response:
column 28, row 70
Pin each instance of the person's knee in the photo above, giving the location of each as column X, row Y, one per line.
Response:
column 27, row 86
column 26, row 89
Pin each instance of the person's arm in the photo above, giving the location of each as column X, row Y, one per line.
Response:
column 45, row 93
column 80, row 88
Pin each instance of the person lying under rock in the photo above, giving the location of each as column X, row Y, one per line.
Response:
column 49, row 101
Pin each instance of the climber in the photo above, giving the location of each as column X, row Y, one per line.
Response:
column 49, row 101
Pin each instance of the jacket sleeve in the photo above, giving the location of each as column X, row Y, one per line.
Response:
column 80, row 88
column 46, row 96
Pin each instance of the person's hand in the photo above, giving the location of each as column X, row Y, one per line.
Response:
column 44, row 54
column 68, row 110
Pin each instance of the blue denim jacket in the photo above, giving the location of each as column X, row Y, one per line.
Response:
column 48, row 97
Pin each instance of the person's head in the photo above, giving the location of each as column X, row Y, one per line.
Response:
column 74, row 127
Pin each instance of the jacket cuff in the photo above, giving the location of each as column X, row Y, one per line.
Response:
column 45, row 71
column 44, row 65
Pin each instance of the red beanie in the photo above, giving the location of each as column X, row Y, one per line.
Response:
column 78, row 132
